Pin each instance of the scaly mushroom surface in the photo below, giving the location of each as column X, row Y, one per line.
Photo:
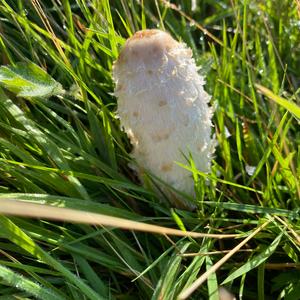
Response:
column 163, row 107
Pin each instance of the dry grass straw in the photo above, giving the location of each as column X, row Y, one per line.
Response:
column 34, row 210
column 187, row 292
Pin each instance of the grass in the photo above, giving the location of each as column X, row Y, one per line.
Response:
column 61, row 145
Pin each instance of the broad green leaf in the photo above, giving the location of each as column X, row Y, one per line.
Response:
column 28, row 80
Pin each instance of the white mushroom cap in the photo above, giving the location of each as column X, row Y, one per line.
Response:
column 163, row 107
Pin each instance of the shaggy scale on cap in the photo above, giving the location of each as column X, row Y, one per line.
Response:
column 163, row 107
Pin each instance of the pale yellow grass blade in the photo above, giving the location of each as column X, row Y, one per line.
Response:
column 34, row 210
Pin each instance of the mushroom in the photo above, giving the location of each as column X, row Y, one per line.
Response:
column 163, row 107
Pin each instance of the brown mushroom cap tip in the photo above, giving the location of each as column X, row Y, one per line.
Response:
column 144, row 34
column 145, row 46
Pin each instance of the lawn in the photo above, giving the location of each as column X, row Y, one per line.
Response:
column 79, row 224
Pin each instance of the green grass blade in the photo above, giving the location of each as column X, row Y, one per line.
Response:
column 288, row 105
column 12, row 232
column 254, row 262
column 18, row 281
